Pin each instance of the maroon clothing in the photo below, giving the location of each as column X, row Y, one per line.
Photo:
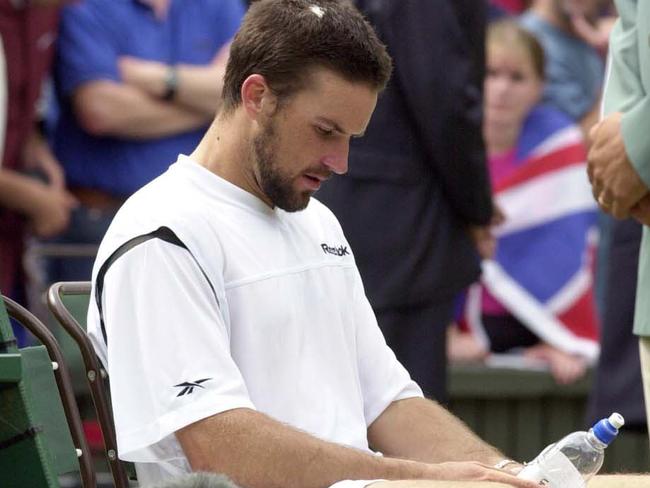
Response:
column 28, row 36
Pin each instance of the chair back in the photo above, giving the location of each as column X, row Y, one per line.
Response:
column 68, row 302
column 41, row 436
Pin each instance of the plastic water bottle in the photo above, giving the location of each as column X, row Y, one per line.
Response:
column 574, row 459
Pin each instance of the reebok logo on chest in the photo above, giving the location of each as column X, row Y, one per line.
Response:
column 336, row 251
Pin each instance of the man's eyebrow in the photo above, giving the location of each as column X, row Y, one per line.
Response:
column 338, row 128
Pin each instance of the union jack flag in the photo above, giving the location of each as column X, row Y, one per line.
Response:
column 542, row 271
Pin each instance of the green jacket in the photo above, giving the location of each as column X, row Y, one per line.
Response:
column 628, row 90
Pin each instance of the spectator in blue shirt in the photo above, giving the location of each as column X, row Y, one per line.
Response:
column 138, row 82
column 574, row 67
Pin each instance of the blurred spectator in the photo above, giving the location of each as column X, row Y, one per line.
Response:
column 574, row 35
column 138, row 81
column 574, row 68
column 511, row 6
column 537, row 292
column 499, row 8
column 28, row 31
column 417, row 181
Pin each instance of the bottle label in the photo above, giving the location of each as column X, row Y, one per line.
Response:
column 554, row 470
column 533, row 472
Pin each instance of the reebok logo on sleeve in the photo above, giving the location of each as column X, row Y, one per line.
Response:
column 188, row 386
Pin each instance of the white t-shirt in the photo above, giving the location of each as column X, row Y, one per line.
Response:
column 266, row 311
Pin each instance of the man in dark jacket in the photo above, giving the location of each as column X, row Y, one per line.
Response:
column 417, row 188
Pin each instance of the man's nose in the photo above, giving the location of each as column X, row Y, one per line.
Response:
column 338, row 163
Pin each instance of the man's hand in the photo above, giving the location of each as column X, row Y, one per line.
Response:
column 641, row 211
column 599, row 481
column 482, row 236
column 459, row 471
column 48, row 209
column 616, row 186
column 474, row 471
column 38, row 156
column 48, row 204
column 485, row 242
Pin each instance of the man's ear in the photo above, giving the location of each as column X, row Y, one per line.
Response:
column 257, row 97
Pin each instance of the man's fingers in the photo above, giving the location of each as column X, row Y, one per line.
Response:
column 597, row 193
column 604, row 206
column 498, row 217
column 595, row 158
column 590, row 173
column 617, row 208
column 593, row 131
column 641, row 211
column 509, row 479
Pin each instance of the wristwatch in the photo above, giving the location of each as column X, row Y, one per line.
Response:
column 171, row 83
column 505, row 462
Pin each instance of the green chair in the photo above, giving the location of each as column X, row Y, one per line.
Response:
column 41, row 435
column 68, row 302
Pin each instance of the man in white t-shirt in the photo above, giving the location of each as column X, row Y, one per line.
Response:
column 227, row 305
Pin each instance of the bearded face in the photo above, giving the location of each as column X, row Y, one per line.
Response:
column 277, row 185
column 298, row 144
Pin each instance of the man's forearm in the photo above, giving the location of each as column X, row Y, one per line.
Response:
column 259, row 452
column 195, row 87
column 106, row 108
column 199, row 87
column 422, row 430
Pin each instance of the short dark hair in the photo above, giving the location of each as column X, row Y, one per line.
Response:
column 283, row 40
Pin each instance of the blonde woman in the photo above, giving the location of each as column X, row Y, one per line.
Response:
column 536, row 293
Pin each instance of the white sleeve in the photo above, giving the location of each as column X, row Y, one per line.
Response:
column 383, row 378
column 169, row 359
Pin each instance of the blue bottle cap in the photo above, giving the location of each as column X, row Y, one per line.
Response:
column 607, row 429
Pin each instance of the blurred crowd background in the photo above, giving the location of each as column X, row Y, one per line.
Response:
column 467, row 203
